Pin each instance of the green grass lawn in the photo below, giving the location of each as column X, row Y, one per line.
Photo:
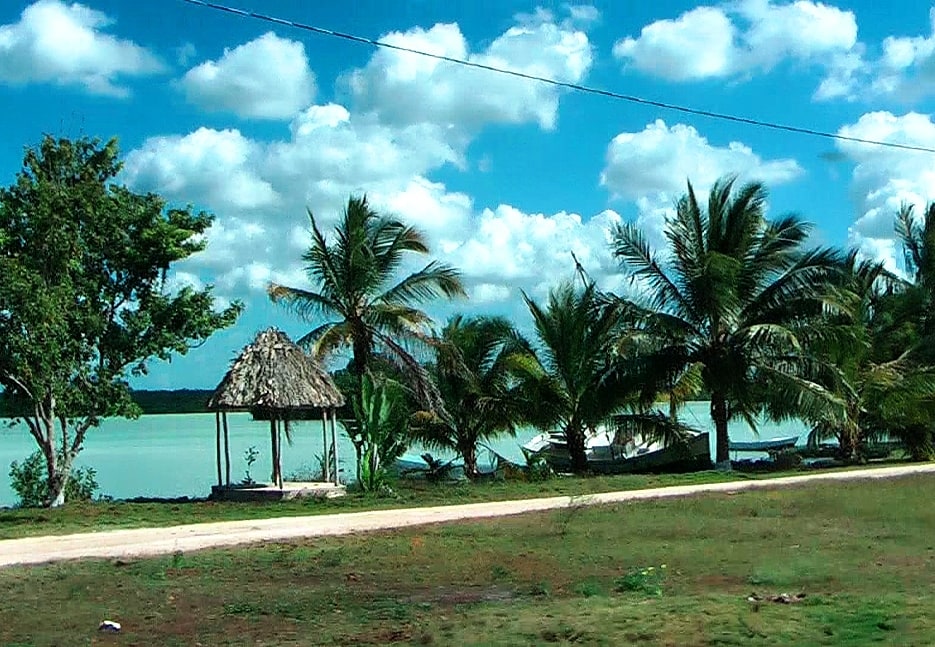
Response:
column 863, row 552
column 103, row 515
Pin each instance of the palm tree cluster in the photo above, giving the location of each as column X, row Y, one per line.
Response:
column 738, row 309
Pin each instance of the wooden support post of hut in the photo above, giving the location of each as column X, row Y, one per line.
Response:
column 275, row 380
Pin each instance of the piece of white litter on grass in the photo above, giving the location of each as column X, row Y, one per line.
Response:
column 110, row 626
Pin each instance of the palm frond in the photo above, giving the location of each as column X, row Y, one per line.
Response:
column 632, row 249
column 305, row 303
column 434, row 281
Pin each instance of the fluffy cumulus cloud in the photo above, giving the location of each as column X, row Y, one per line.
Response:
column 266, row 78
column 902, row 67
column 214, row 167
column 883, row 179
column 737, row 39
column 657, row 161
column 258, row 190
column 906, row 67
column 651, row 167
column 67, row 44
column 509, row 248
column 409, row 88
column 410, row 118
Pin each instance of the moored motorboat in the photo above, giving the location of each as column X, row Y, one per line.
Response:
column 638, row 454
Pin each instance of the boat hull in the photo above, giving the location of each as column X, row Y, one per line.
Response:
column 692, row 456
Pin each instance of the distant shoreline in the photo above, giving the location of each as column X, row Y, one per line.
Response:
column 152, row 402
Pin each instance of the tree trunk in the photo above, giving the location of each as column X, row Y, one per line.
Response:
column 574, row 436
column 722, row 437
column 58, row 473
column 58, row 464
column 848, row 445
column 469, row 454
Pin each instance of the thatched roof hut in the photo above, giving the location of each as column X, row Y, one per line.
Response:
column 274, row 375
column 276, row 380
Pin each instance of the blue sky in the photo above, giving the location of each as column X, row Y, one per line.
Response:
column 255, row 122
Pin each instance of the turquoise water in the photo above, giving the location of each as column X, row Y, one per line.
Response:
column 174, row 455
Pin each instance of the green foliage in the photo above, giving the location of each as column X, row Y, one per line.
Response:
column 30, row 481
column 887, row 391
column 358, row 296
column 380, row 430
column 738, row 298
column 537, row 468
column 584, row 379
column 84, row 302
column 477, row 368
column 647, row 581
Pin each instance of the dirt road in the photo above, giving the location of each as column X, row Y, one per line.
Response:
column 159, row 541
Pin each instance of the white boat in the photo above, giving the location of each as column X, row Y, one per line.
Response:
column 636, row 455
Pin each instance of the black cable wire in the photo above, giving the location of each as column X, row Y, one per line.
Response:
column 561, row 84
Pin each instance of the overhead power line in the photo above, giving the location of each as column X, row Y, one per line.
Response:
column 245, row 13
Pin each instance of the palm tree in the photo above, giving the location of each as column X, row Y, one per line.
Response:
column 586, row 381
column 918, row 242
column 883, row 391
column 356, row 290
column 735, row 297
column 475, row 368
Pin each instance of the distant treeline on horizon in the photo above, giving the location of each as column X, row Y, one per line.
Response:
column 150, row 401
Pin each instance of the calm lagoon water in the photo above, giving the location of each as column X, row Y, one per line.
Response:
column 174, row 455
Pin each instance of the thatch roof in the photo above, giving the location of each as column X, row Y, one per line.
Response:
column 274, row 375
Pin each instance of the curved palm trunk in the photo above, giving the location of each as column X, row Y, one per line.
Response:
column 722, row 437
column 574, row 436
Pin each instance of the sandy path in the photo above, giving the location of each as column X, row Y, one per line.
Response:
column 159, row 541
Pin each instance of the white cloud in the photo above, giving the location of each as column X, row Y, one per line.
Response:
column 266, row 78
column 651, row 168
column 185, row 53
column 215, row 168
column 583, row 14
column 657, row 161
column 410, row 88
column 259, row 190
column 60, row 43
column 884, row 178
column 739, row 38
column 906, row 68
column 699, row 44
column 508, row 247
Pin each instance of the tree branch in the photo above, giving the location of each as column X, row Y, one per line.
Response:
column 20, row 385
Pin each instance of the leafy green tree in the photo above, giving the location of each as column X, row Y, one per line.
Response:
column 476, row 367
column 735, row 296
column 83, row 297
column 357, row 292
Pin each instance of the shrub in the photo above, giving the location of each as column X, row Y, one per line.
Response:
column 30, row 481
column 647, row 580
column 538, row 469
